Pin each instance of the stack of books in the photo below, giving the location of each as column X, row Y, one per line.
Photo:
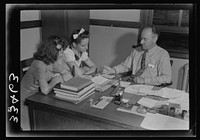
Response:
column 75, row 89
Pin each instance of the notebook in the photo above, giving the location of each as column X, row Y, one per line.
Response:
column 76, row 84
column 79, row 93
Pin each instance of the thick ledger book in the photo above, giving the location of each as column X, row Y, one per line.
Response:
column 74, row 99
column 73, row 95
column 79, row 93
column 76, row 84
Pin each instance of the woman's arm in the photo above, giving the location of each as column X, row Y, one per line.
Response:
column 41, row 75
column 63, row 69
column 46, row 87
column 91, row 66
column 78, row 71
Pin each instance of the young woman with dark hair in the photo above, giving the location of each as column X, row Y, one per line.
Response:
column 40, row 75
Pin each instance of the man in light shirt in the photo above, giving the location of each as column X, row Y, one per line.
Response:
column 154, row 59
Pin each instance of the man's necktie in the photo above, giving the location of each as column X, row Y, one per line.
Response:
column 142, row 68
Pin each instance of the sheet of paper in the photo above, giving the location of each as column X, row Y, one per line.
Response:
column 87, row 76
column 149, row 90
column 109, row 76
column 150, row 102
column 103, row 103
column 132, row 111
column 99, row 80
column 138, row 89
column 171, row 93
column 183, row 101
column 124, row 84
column 163, row 122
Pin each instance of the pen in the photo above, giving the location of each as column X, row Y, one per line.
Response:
column 98, row 101
column 157, row 97
column 96, row 71
column 73, row 71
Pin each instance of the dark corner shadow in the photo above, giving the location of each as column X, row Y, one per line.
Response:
column 182, row 73
column 123, row 47
column 180, row 78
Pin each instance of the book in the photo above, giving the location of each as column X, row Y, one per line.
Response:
column 74, row 100
column 79, row 93
column 73, row 95
column 76, row 83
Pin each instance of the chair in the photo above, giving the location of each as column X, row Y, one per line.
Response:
column 185, row 83
column 24, row 65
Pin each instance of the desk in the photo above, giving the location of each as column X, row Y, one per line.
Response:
column 49, row 113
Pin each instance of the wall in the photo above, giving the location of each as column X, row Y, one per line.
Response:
column 120, row 15
column 111, row 45
column 30, row 37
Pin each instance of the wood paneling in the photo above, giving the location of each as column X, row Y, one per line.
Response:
column 30, row 24
column 115, row 23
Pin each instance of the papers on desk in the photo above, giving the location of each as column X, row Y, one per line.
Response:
column 87, row 76
column 170, row 93
column 183, row 101
column 138, row 89
column 132, row 110
column 124, row 84
column 148, row 90
column 109, row 76
column 99, row 80
column 150, row 102
column 173, row 95
column 163, row 122
column 102, row 102
column 102, row 83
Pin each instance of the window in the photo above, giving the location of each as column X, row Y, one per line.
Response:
column 175, row 21
column 178, row 18
column 174, row 30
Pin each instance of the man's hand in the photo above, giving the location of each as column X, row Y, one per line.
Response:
column 127, row 78
column 107, row 70
column 139, row 80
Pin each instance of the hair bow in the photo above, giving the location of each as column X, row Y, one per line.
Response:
column 58, row 46
column 80, row 32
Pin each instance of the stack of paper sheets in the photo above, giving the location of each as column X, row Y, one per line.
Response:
column 150, row 102
column 138, row 89
column 102, row 83
column 174, row 95
column 163, row 122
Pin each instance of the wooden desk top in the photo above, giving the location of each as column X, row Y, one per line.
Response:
column 107, row 115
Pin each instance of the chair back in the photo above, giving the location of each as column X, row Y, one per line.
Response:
column 185, row 82
column 24, row 65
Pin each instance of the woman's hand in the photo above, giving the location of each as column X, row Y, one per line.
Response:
column 66, row 76
column 58, row 78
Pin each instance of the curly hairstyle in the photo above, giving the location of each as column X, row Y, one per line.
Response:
column 80, row 37
column 48, row 50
